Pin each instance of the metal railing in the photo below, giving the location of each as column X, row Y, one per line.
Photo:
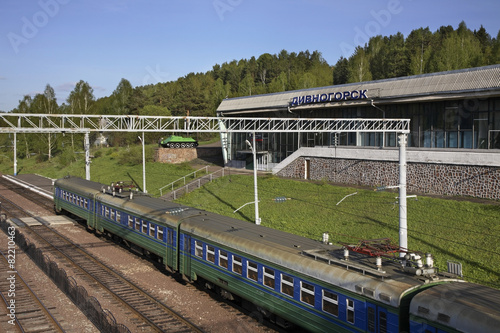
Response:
column 197, row 183
column 193, row 174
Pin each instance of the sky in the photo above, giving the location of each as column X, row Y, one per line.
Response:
column 60, row 42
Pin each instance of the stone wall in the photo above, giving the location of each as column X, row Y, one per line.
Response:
column 180, row 155
column 429, row 178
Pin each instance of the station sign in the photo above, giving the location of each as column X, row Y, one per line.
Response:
column 330, row 97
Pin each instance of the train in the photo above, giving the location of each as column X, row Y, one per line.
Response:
column 291, row 280
column 175, row 141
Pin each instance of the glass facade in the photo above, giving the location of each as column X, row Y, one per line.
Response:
column 469, row 123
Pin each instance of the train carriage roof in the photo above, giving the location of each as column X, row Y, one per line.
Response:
column 466, row 307
column 298, row 254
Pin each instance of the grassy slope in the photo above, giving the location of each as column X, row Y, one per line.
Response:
column 451, row 230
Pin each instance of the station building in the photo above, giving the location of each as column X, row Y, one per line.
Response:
column 453, row 146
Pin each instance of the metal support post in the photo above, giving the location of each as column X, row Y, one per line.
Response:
column 15, row 154
column 253, row 147
column 87, row 155
column 403, row 228
column 143, row 164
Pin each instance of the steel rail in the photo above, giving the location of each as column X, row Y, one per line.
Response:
column 95, row 268
column 26, row 316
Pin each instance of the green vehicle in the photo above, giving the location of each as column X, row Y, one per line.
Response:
column 175, row 141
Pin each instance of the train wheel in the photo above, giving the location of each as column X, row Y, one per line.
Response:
column 183, row 145
column 177, row 145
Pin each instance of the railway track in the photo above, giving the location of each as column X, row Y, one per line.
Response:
column 146, row 308
column 24, row 191
column 149, row 310
column 25, row 311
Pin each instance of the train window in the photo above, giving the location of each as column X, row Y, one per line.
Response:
column 118, row 216
column 371, row 319
column 106, row 212
column 252, row 272
column 237, row 266
column 144, row 227
column 287, row 285
column 160, row 233
column 223, row 259
column 112, row 214
column 102, row 210
column 198, row 249
column 330, row 303
column 137, row 223
column 307, row 293
column 211, row 253
column 382, row 322
column 130, row 221
column 350, row 310
column 86, row 204
column 268, row 277
column 152, row 230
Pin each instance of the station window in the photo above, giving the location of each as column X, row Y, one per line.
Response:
column 144, row 227
column 237, row 266
column 130, row 221
column 287, row 285
column 198, row 249
column 223, row 259
column 307, row 293
column 160, row 233
column 350, row 310
column 268, row 277
column 137, row 223
column 252, row 272
column 152, row 230
column 330, row 303
column 211, row 253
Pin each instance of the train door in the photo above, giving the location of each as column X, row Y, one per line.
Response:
column 376, row 319
column 93, row 215
column 186, row 257
column 170, row 249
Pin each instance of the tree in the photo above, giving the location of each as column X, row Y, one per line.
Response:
column 81, row 99
column 359, row 66
column 341, row 71
column 121, row 97
column 49, row 105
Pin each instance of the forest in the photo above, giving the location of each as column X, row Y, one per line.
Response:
column 199, row 94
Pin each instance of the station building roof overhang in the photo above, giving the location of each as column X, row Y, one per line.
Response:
column 480, row 82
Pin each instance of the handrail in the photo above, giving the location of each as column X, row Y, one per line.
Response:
column 185, row 188
column 184, row 178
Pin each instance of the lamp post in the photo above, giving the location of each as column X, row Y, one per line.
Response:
column 143, row 164
column 254, row 152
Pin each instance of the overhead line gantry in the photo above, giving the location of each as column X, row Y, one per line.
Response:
column 70, row 123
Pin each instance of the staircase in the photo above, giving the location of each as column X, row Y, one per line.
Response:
column 199, row 182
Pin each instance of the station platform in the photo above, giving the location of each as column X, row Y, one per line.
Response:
column 53, row 220
column 37, row 183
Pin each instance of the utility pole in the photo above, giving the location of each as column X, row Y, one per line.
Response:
column 143, row 164
column 253, row 148
column 403, row 228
